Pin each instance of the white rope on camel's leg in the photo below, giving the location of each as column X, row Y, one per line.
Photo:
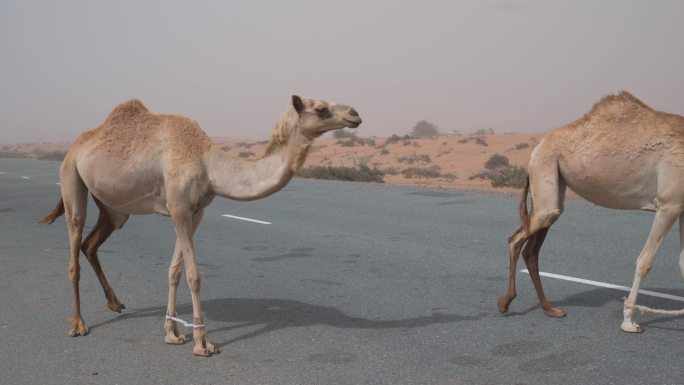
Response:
column 646, row 309
column 187, row 325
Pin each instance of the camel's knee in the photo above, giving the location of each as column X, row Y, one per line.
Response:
column 174, row 276
column 194, row 281
column 544, row 219
column 644, row 265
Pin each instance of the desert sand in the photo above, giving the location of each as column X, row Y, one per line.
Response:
column 458, row 156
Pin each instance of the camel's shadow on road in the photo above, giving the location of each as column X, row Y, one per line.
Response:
column 276, row 314
column 596, row 298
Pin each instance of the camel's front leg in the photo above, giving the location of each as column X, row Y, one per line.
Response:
column 74, row 194
column 186, row 224
column 172, row 334
column 664, row 218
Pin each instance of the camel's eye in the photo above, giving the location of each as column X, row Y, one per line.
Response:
column 321, row 110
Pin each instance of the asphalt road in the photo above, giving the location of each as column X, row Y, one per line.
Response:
column 349, row 284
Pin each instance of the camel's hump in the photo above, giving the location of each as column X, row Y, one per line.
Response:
column 621, row 97
column 127, row 109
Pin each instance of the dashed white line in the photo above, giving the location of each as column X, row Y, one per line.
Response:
column 57, row 183
column 246, row 219
column 25, row 177
column 608, row 285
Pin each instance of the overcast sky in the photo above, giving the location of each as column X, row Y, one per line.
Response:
column 512, row 65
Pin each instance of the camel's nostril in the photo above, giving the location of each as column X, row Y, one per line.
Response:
column 353, row 112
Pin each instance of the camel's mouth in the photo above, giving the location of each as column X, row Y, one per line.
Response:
column 352, row 123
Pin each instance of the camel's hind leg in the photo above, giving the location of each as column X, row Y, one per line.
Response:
column 531, row 256
column 108, row 221
column 74, row 195
column 548, row 193
column 663, row 221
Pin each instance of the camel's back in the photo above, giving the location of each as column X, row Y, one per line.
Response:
column 620, row 125
column 614, row 154
column 132, row 131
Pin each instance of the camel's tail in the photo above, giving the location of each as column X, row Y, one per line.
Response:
column 522, row 210
column 54, row 214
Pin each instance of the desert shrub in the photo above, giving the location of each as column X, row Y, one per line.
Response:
column 342, row 134
column 508, row 176
column 414, row 158
column 245, row 154
column 352, row 140
column 482, row 131
column 391, row 171
column 360, row 173
column 54, row 155
column 226, row 148
column 384, row 151
column 522, row 145
column 396, row 139
column 346, row 143
column 481, row 140
column 496, row 161
column 425, row 129
column 423, row 172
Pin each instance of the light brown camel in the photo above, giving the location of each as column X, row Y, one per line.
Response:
column 138, row 162
column 621, row 155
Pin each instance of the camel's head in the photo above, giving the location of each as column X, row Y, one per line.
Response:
column 317, row 117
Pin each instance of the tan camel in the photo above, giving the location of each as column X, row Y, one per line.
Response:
column 621, row 155
column 138, row 162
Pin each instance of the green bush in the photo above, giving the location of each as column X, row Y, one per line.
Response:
column 245, row 154
column 342, row 134
column 508, row 176
column 425, row 129
column 423, row 172
column 522, row 145
column 496, row 161
column 414, row 158
column 360, row 173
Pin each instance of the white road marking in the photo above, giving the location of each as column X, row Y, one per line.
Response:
column 2, row 172
column 608, row 285
column 57, row 183
column 246, row 219
column 25, row 177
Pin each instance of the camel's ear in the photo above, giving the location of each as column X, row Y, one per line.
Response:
column 297, row 103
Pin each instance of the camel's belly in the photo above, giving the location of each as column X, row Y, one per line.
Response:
column 130, row 189
column 612, row 183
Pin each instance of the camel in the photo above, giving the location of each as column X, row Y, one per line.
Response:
column 622, row 155
column 138, row 162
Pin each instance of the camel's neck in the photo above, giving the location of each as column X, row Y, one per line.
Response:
column 249, row 180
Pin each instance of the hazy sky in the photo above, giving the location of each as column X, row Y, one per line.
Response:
column 512, row 65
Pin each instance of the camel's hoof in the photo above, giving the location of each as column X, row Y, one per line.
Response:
column 78, row 330
column 201, row 351
column 631, row 327
column 555, row 312
column 180, row 340
column 502, row 304
column 116, row 306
